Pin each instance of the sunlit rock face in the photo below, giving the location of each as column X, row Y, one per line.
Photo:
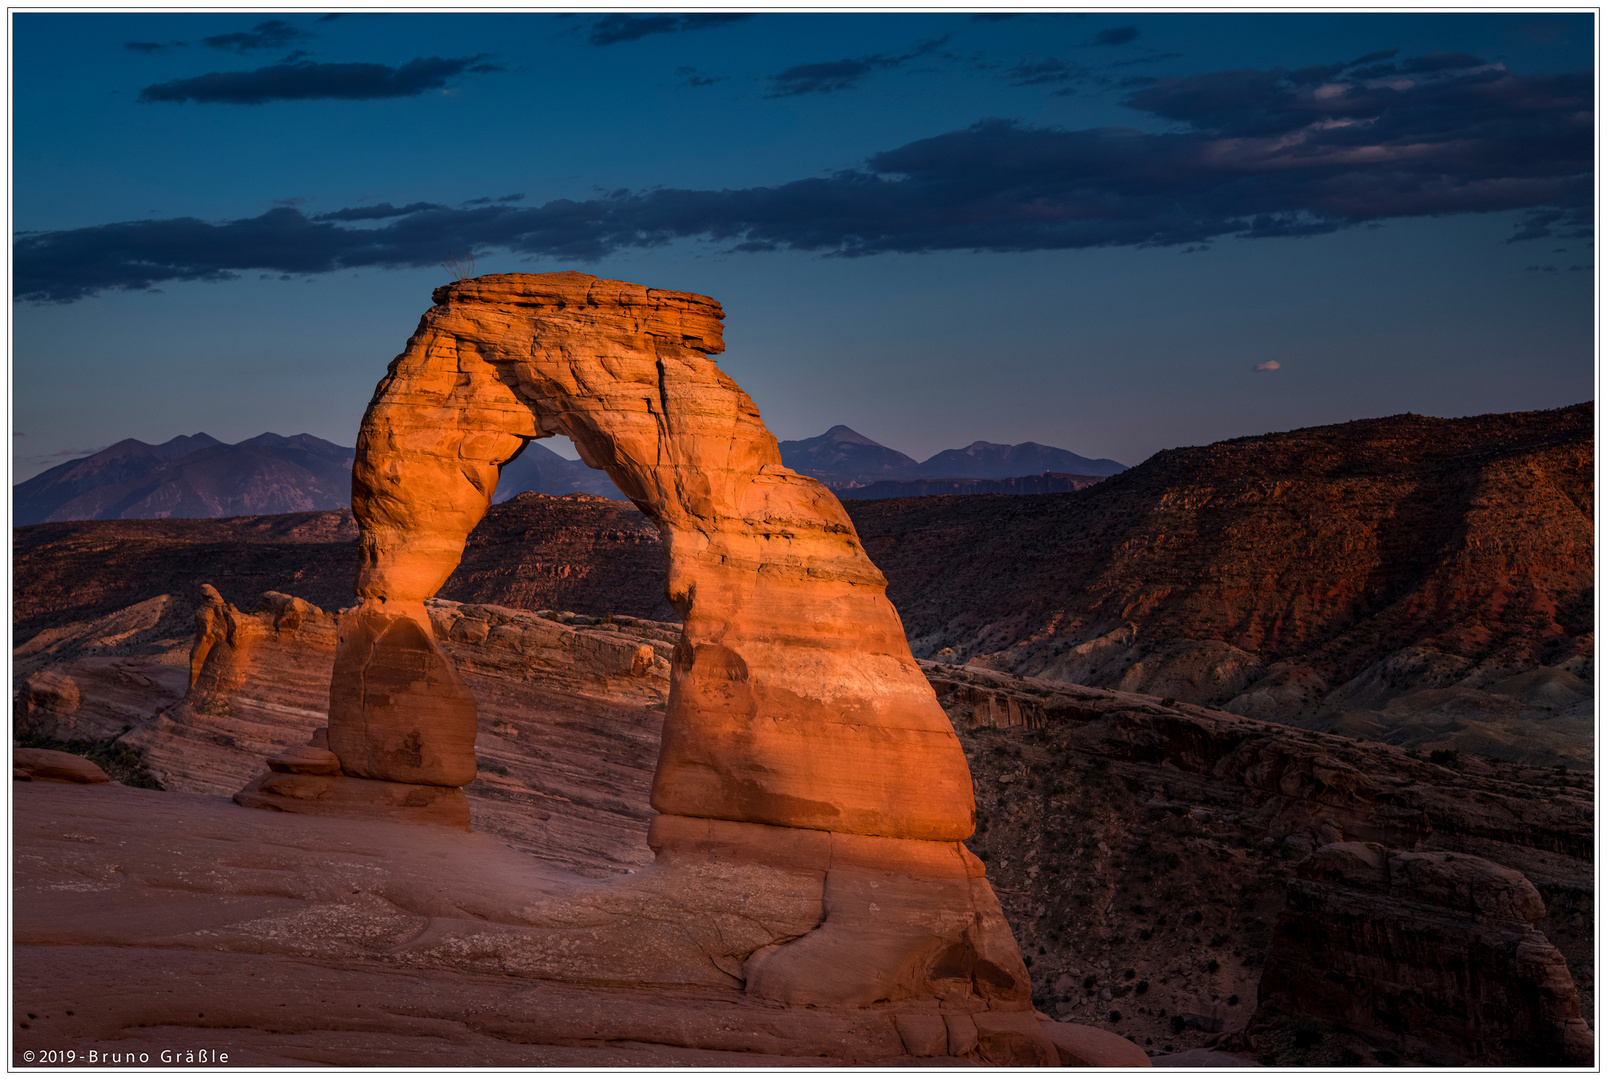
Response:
column 795, row 699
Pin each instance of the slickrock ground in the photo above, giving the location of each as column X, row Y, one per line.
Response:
column 1108, row 820
column 154, row 920
column 415, row 944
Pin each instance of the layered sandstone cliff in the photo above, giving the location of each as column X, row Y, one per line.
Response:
column 1431, row 953
column 1420, row 581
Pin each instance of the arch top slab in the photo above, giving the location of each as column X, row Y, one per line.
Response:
column 794, row 700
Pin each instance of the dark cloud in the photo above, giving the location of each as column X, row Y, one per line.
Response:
column 149, row 47
column 1048, row 72
column 377, row 212
column 1153, row 58
column 306, row 80
column 1116, row 35
column 273, row 34
column 613, row 29
column 829, row 76
column 691, row 76
column 1255, row 154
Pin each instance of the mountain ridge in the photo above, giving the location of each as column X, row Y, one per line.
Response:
column 843, row 459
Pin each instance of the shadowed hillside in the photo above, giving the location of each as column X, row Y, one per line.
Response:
column 1406, row 578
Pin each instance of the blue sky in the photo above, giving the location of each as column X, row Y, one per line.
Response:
column 1082, row 230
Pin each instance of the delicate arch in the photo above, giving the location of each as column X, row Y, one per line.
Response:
column 794, row 698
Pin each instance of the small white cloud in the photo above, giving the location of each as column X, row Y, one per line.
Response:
column 1270, row 365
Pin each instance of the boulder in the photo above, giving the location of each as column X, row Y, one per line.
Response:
column 307, row 760
column 56, row 765
column 1081, row 1046
column 350, row 796
column 924, row 1034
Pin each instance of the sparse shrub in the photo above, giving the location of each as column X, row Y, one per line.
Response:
column 1027, row 960
column 1233, row 1000
column 1145, row 934
column 1387, row 1058
column 1129, row 973
column 1307, row 1037
column 1142, row 987
column 1178, row 1025
column 1443, row 757
column 1115, row 1017
column 1088, row 983
column 1168, row 701
column 123, row 764
column 1349, row 1059
column 1213, row 967
column 1218, row 940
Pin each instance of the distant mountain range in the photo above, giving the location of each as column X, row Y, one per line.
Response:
column 1047, row 483
column 192, row 476
column 539, row 469
column 197, row 476
column 845, row 460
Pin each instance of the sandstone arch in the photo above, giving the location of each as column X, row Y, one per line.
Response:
column 795, row 701
column 812, row 794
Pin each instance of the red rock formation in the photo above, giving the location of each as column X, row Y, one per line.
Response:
column 796, row 701
column 1432, row 952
